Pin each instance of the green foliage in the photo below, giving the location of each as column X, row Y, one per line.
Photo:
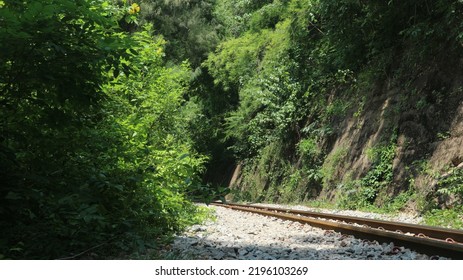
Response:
column 99, row 138
column 153, row 129
column 54, row 55
column 449, row 218
column 364, row 30
column 337, row 108
column 188, row 27
column 235, row 15
column 450, row 191
column 441, row 136
column 399, row 202
column 452, row 185
column 273, row 178
column 93, row 150
column 330, row 164
column 364, row 192
column 352, row 195
column 299, row 67
column 380, row 174
column 308, row 148
column 355, row 196
column 288, row 191
column 267, row 16
column 236, row 59
column 267, row 97
column 191, row 31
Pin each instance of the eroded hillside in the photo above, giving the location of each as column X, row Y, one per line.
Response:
column 358, row 104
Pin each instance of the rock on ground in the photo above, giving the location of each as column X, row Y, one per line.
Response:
column 249, row 236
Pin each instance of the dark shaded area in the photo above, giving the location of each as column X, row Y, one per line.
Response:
column 338, row 252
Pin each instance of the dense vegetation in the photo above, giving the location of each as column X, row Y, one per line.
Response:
column 93, row 149
column 115, row 115
column 301, row 67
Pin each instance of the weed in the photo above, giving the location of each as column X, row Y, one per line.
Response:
column 308, row 148
column 381, row 174
column 399, row 201
column 361, row 107
column 443, row 135
column 331, row 163
column 450, row 218
column 337, row 108
column 320, row 204
column 452, row 185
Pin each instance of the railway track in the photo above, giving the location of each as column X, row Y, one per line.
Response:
column 424, row 239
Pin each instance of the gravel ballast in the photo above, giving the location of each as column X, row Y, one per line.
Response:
column 401, row 217
column 249, row 236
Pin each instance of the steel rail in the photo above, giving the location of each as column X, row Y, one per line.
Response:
column 429, row 231
column 428, row 240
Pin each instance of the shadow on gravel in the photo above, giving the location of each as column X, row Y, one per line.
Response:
column 305, row 246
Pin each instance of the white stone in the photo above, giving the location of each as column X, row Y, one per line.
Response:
column 241, row 235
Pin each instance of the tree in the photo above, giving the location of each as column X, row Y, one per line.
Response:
column 187, row 25
column 92, row 148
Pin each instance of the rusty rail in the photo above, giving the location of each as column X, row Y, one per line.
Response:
column 424, row 239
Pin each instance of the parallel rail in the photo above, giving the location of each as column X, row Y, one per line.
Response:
column 424, row 239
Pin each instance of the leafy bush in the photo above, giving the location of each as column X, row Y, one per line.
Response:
column 92, row 147
column 267, row 16
column 235, row 15
column 188, row 26
column 308, row 148
column 381, row 173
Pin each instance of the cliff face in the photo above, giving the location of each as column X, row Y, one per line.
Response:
column 424, row 128
column 402, row 137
